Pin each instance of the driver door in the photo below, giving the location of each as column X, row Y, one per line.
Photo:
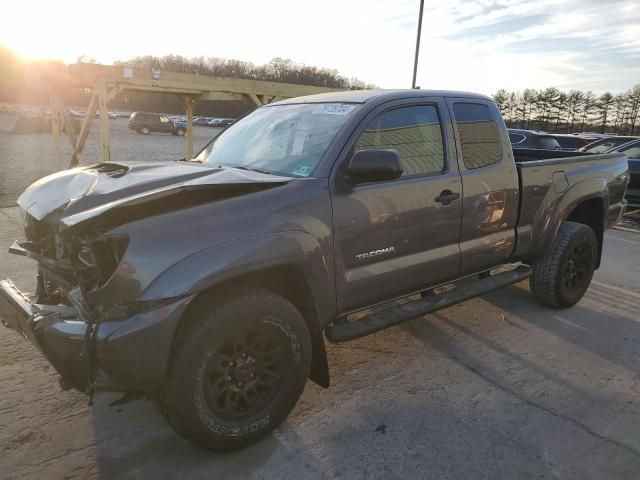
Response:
column 397, row 237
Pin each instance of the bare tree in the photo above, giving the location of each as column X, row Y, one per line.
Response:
column 560, row 106
column 633, row 107
column 604, row 106
column 620, row 107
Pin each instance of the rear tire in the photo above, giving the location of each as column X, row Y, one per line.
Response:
column 238, row 370
column 563, row 275
column 145, row 130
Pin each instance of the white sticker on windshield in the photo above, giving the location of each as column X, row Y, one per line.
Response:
column 334, row 109
column 302, row 170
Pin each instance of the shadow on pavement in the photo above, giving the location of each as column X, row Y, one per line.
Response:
column 612, row 334
column 134, row 441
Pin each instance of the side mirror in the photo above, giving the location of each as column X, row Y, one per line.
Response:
column 374, row 166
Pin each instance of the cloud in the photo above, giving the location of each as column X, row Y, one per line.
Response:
column 508, row 26
column 587, row 44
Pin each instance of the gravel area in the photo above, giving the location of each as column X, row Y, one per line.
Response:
column 26, row 158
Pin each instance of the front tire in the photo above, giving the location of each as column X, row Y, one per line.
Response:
column 563, row 275
column 238, row 370
column 180, row 132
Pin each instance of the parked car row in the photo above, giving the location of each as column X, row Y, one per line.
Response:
column 82, row 113
column 582, row 142
column 205, row 121
column 587, row 142
column 145, row 123
column 631, row 151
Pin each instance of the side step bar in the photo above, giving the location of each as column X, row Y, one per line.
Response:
column 350, row 330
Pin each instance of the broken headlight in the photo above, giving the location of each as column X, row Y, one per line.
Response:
column 100, row 257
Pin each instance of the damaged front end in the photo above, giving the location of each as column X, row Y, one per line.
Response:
column 89, row 314
column 116, row 347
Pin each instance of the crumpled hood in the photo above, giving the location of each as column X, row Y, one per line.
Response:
column 82, row 193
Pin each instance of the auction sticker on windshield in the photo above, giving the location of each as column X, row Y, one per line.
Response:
column 334, row 109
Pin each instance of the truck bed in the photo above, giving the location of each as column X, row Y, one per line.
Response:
column 552, row 182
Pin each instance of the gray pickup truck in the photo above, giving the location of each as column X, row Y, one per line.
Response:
column 209, row 284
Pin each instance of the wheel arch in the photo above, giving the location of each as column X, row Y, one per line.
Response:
column 290, row 264
column 591, row 212
column 585, row 202
column 287, row 281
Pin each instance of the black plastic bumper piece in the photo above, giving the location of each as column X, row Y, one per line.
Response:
column 15, row 307
column 131, row 354
column 350, row 330
column 54, row 329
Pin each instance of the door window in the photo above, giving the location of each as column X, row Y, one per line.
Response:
column 164, row 119
column 413, row 132
column 516, row 138
column 478, row 134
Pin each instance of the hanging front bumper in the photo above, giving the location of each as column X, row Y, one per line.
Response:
column 127, row 354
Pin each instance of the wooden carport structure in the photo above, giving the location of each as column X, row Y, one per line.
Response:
column 105, row 82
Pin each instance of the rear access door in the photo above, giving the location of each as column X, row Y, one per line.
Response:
column 490, row 179
column 394, row 237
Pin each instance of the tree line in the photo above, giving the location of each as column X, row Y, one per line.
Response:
column 281, row 70
column 277, row 70
column 575, row 111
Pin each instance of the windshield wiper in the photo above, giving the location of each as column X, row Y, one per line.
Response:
column 249, row 169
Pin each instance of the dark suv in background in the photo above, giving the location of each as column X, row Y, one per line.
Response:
column 573, row 141
column 532, row 139
column 146, row 123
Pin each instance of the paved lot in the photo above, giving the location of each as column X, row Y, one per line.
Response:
column 26, row 158
column 495, row 388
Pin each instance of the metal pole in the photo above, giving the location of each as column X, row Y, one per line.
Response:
column 415, row 62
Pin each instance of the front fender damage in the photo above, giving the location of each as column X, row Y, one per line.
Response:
column 110, row 345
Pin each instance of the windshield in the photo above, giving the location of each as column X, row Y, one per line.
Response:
column 284, row 139
column 606, row 144
column 632, row 153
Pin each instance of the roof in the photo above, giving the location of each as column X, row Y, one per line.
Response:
column 364, row 96
column 523, row 131
column 574, row 135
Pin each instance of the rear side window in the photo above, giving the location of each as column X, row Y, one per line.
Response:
column 570, row 142
column 516, row 138
column 413, row 132
column 478, row 134
column 547, row 142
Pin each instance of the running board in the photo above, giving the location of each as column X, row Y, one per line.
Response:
column 350, row 330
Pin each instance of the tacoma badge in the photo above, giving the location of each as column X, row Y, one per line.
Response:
column 376, row 253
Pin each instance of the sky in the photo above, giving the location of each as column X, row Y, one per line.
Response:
column 475, row 45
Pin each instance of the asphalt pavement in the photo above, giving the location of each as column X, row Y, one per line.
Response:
column 495, row 388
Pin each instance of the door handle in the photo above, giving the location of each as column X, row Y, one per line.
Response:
column 446, row 197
